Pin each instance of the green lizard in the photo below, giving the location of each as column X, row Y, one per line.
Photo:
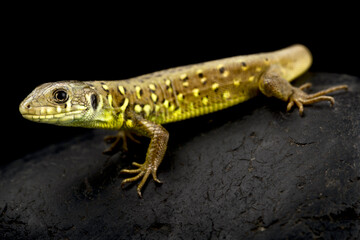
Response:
column 144, row 103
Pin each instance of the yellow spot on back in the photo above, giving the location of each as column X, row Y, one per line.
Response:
column 166, row 103
column 124, row 106
column 138, row 92
column 236, row 82
column 251, row 78
column 203, row 80
column 196, row 92
column 168, row 82
column 215, row 86
column 183, row 76
column 185, row 84
column 226, row 95
column 154, row 97
column 205, row 100
column 129, row 123
column 105, row 87
column 258, row 69
column 137, row 108
column 152, row 87
column 157, row 108
column 121, row 90
column 147, row 109
column 180, row 97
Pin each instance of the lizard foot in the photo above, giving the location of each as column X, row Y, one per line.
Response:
column 300, row 98
column 142, row 170
column 115, row 140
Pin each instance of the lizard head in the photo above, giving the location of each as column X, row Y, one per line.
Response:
column 66, row 103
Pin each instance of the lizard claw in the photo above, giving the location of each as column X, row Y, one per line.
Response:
column 142, row 170
column 300, row 98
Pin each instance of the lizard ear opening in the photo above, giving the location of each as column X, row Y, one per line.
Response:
column 94, row 101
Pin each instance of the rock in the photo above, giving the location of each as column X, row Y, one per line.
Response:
column 249, row 172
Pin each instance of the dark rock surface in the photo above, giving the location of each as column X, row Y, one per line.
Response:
column 248, row 172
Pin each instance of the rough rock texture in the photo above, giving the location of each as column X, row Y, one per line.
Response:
column 248, row 172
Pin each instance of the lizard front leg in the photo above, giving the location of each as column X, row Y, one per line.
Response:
column 271, row 84
column 155, row 153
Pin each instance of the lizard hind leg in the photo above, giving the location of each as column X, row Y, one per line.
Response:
column 272, row 85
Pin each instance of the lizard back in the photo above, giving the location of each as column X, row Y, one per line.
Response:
column 180, row 93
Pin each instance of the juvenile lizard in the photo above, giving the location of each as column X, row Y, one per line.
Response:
column 144, row 103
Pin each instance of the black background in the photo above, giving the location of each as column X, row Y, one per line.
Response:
column 50, row 43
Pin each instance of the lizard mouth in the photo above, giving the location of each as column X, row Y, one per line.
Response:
column 53, row 118
column 50, row 114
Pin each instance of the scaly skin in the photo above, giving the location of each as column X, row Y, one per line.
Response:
column 144, row 103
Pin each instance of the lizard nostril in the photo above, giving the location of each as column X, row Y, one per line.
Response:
column 25, row 107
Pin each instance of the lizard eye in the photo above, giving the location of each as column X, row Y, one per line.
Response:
column 60, row 96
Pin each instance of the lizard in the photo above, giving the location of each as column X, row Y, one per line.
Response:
column 143, row 104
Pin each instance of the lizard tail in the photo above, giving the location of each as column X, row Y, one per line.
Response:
column 294, row 61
